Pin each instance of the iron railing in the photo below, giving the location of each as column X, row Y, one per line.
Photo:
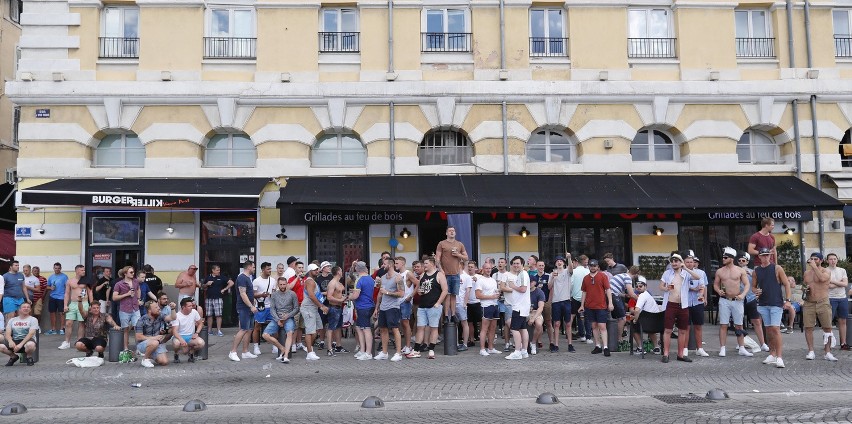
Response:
column 651, row 48
column 118, row 48
column 842, row 46
column 755, row 47
column 230, row 48
column 445, row 41
column 339, row 42
column 548, row 47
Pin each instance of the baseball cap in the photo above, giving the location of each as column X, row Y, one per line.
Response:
column 642, row 280
column 729, row 252
column 559, row 258
column 312, row 267
column 292, row 259
column 676, row 256
column 593, row 262
column 817, row 255
column 764, row 251
column 324, row 264
column 695, row 258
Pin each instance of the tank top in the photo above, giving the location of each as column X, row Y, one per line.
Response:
column 389, row 284
column 430, row 290
column 409, row 290
column 317, row 293
column 768, row 282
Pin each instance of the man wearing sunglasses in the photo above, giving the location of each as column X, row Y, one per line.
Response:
column 675, row 284
column 731, row 284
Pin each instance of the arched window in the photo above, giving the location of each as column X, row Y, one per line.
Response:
column 225, row 150
column 120, row 151
column 757, row 147
column 846, row 149
column 338, row 149
column 445, row 147
column 547, row 145
column 652, row 145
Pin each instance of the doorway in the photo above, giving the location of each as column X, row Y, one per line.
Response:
column 227, row 240
column 339, row 245
column 115, row 240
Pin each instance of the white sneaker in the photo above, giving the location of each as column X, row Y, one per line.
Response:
column 248, row 355
column 381, row 356
column 829, row 357
column 779, row 363
column 765, row 347
column 147, row 363
column 514, row 356
column 65, row 345
column 685, row 352
column 483, row 352
column 701, row 352
column 294, row 348
column 722, row 351
column 770, row 360
column 581, row 339
column 233, row 356
column 256, row 350
column 756, row 349
column 590, row 341
column 810, row 356
column 284, row 360
column 533, row 349
column 406, row 350
column 493, row 351
column 303, row 347
column 524, row 354
column 396, row 357
column 365, row 357
column 274, row 350
column 312, row 356
column 744, row 352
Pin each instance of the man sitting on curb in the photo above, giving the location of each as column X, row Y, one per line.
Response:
column 20, row 336
column 186, row 328
column 151, row 336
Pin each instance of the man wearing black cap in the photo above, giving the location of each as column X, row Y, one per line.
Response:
column 770, row 283
column 596, row 302
column 290, row 272
column 816, row 305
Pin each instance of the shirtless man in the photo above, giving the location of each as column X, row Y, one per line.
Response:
column 727, row 284
column 336, row 299
column 450, row 256
column 186, row 283
column 817, row 280
column 77, row 298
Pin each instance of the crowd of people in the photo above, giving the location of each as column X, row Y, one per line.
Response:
column 300, row 306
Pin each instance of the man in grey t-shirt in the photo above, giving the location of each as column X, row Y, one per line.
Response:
column 388, row 314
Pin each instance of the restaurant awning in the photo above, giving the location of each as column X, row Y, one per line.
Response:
column 149, row 193
column 556, row 193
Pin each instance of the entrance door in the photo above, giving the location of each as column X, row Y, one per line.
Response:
column 113, row 258
column 115, row 240
column 340, row 246
column 227, row 240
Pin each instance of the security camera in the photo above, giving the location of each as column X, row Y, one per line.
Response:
column 41, row 230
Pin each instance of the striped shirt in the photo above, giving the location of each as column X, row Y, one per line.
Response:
column 618, row 282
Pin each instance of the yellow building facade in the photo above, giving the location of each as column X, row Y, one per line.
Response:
column 175, row 97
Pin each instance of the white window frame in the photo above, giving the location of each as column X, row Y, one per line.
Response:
column 424, row 150
column 842, row 48
column 547, row 44
column 230, row 151
column 750, row 12
column 209, row 20
column 467, row 26
column 649, row 144
column 547, row 146
column 651, row 50
column 339, row 150
column 338, row 41
column 848, row 13
column 776, row 159
column 126, row 49
column 122, row 148
column 648, row 10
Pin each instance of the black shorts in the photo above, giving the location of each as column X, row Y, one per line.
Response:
column 11, row 344
column 518, row 322
column 751, row 310
column 474, row 312
column 575, row 306
column 617, row 307
column 94, row 342
column 491, row 312
column 696, row 314
column 56, row 305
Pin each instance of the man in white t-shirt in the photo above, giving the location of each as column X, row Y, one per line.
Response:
column 20, row 336
column 290, row 272
column 474, row 309
column 504, row 306
column 465, row 287
column 838, row 285
column 263, row 286
column 185, row 329
column 517, row 285
column 647, row 304
column 487, row 292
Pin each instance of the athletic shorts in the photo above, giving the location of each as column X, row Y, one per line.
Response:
column 56, row 305
column 751, row 310
column 696, row 314
column 74, row 313
column 246, row 319
column 561, row 311
column 518, row 322
column 12, row 304
column 453, row 282
column 839, row 308
column 474, row 312
column 771, row 315
column 674, row 312
column 730, row 309
column 813, row 310
column 600, row 316
column 213, row 307
column 311, row 318
column 389, row 318
column 335, row 317
column 92, row 343
column 491, row 312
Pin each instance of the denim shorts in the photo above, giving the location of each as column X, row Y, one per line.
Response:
column 362, row 317
column 490, row 312
column 839, row 308
column 335, row 317
column 273, row 329
column 246, row 319
column 128, row 319
column 141, row 346
column 453, row 282
column 461, row 313
column 561, row 311
column 771, row 315
column 429, row 316
column 599, row 316
column 389, row 318
column 405, row 310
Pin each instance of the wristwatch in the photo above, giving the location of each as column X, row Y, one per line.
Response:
column 787, row 300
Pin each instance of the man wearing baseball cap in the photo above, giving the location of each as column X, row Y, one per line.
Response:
column 323, row 278
column 769, row 283
column 290, row 272
column 816, row 305
column 675, row 284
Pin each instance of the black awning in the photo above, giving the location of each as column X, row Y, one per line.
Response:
column 149, row 193
column 8, row 216
column 556, row 193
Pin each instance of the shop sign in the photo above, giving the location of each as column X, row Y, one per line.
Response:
column 23, row 232
column 752, row 215
column 42, row 113
column 102, row 257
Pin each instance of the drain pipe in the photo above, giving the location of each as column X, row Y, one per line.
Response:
column 505, row 141
column 814, row 125
column 502, row 35
column 390, row 36
column 392, row 137
column 796, row 134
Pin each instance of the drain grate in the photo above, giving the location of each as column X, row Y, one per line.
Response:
column 688, row 398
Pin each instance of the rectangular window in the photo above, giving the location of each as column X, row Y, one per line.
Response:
column 650, row 34
column 447, row 30
column 114, row 231
column 120, row 33
column 547, row 33
column 16, row 122
column 231, row 34
column 339, row 31
column 842, row 33
column 753, row 34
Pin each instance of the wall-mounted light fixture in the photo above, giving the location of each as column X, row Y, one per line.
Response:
column 657, row 231
column 170, row 229
column 524, row 232
column 788, row 230
column 282, row 235
column 405, row 233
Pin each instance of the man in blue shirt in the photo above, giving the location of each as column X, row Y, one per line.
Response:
column 362, row 296
column 14, row 294
column 56, row 304
column 245, row 311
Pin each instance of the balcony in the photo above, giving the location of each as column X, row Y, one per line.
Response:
column 118, row 48
column 755, row 47
column 230, row 48
column 651, row 48
column 548, row 47
column 842, row 46
column 445, row 41
column 339, row 42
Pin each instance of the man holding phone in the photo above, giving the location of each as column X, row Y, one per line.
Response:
column 77, row 299
column 560, row 299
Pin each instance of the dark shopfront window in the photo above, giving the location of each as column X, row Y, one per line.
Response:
column 707, row 241
column 340, row 245
column 592, row 241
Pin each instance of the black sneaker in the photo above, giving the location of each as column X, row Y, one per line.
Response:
column 657, row 351
column 30, row 361
column 606, row 351
column 571, row 348
column 461, row 347
column 100, row 355
column 554, row 349
column 330, row 353
column 12, row 361
column 177, row 358
column 674, row 336
column 684, row 359
column 88, row 354
column 191, row 358
column 322, row 345
column 341, row 349
column 665, row 359
column 472, row 344
column 596, row 350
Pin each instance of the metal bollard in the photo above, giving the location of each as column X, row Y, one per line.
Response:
column 450, row 338
column 115, row 344
column 205, row 336
column 612, row 334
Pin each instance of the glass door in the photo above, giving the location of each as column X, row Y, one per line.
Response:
column 227, row 240
column 340, row 246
